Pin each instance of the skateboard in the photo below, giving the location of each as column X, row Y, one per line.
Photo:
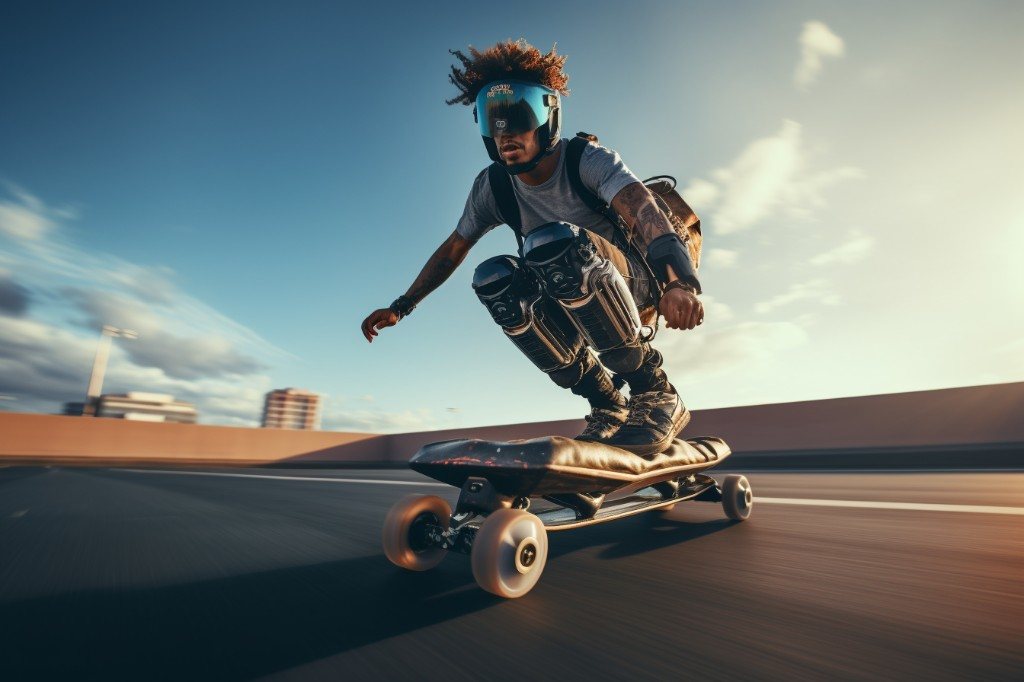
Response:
column 512, row 494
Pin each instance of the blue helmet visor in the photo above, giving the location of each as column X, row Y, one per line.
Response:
column 512, row 107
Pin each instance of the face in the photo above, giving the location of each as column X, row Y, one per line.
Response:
column 517, row 148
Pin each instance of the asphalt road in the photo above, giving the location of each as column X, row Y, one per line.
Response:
column 114, row 574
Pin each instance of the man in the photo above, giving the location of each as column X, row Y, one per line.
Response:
column 573, row 291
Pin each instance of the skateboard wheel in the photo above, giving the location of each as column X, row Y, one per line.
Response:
column 403, row 539
column 509, row 552
column 737, row 497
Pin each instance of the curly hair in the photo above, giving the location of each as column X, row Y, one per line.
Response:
column 510, row 59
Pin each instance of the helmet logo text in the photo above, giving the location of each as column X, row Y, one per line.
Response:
column 500, row 89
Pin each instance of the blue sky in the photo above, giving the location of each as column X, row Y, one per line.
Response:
column 242, row 183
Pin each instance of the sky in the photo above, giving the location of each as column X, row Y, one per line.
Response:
column 241, row 183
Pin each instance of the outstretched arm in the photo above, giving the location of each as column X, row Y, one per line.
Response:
column 438, row 268
column 635, row 204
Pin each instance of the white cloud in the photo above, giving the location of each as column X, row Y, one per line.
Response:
column 817, row 43
column 855, row 249
column 734, row 350
column 701, row 194
column 719, row 259
column 769, row 177
column 715, row 310
column 817, row 290
column 25, row 218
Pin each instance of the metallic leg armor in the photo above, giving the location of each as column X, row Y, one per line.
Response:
column 531, row 321
column 589, row 289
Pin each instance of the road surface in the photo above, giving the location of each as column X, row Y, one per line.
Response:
column 246, row 574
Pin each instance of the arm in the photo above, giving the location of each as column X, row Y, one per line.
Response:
column 438, row 268
column 639, row 209
column 679, row 304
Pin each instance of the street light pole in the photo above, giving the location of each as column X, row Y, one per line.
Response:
column 99, row 366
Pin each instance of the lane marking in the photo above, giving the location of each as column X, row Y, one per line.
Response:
column 851, row 504
column 288, row 478
column 906, row 506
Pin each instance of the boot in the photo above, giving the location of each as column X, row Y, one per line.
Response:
column 604, row 422
column 656, row 413
column 608, row 407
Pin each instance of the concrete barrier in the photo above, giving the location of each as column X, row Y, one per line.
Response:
column 935, row 428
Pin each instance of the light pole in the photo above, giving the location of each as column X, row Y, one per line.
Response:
column 99, row 366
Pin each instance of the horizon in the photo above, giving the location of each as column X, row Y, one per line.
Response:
column 243, row 184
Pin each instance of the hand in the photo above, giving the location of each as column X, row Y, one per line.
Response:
column 378, row 319
column 681, row 309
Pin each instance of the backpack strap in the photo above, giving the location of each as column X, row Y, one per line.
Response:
column 505, row 198
column 621, row 239
column 573, row 157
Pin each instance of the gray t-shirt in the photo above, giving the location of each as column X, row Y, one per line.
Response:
column 601, row 170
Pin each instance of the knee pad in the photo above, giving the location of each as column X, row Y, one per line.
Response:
column 588, row 287
column 517, row 302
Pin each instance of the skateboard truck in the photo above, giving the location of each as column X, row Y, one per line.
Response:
column 585, row 505
column 479, row 495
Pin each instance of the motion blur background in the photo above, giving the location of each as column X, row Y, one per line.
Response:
column 241, row 183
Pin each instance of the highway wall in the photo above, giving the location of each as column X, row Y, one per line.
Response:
column 979, row 426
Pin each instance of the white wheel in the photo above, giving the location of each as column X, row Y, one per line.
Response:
column 509, row 552
column 402, row 536
column 737, row 498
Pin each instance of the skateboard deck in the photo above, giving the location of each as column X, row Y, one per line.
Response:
column 542, row 466
column 514, row 492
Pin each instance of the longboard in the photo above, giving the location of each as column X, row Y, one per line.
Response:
column 513, row 493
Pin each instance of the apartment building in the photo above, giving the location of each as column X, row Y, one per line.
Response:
column 292, row 408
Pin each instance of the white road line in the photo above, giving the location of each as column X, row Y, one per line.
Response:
column 853, row 504
column 907, row 506
column 287, row 478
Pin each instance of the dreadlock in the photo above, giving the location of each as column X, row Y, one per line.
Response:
column 511, row 59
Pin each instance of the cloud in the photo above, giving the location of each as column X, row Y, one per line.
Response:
column 14, row 298
column 179, row 356
column 724, row 348
column 817, row 43
column 769, row 177
column 817, row 290
column 184, row 347
column 719, row 259
column 855, row 249
column 43, row 367
column 25, row 218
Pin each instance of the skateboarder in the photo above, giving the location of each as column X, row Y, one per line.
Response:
column 580, row 286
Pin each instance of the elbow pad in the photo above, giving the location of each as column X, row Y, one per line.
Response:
column 669, row 250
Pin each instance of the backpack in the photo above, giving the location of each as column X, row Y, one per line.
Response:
column 662, row 187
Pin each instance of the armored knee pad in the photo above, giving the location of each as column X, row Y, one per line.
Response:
column 588, row 287
column 537, row 326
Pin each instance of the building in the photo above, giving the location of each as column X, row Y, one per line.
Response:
column 150, row 407
column 292, row 408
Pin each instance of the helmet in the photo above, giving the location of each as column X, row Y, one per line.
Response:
column 512, row 106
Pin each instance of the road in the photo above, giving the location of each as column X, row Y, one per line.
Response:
column 115, row 574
